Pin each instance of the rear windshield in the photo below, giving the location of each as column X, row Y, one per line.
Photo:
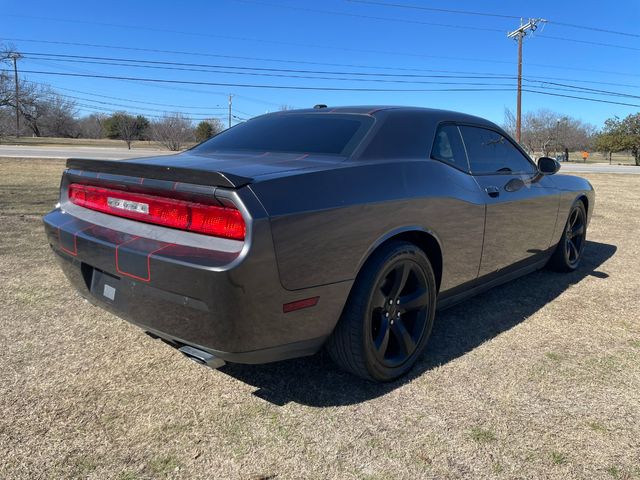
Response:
column 317, row 133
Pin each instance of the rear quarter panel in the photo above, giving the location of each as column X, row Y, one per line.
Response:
column 325, row 224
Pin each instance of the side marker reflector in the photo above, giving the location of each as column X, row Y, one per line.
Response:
column 300, row 304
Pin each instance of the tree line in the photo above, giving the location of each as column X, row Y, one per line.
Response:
column 43, row 112
column 545, row 131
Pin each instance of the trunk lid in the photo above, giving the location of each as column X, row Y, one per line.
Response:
column 231, row 170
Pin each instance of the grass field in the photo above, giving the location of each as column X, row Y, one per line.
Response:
column 79, row 142
column 539, row 378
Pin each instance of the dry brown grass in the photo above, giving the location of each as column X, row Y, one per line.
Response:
column 536, row 379
column 80, row 142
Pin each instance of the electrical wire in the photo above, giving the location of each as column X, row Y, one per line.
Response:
column 465, row 74
column 496, row 15
column 393, row 68
column 598, row 91
column 248, row 85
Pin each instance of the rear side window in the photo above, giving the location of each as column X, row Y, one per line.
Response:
column 402, row 135
column 295, row 133
column 490, row 152
column 448, row 147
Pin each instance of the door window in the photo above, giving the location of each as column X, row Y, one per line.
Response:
column 491, row 153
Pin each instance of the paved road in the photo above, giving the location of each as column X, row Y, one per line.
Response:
column 113, row 153
column 98, row 153
column 598, row 168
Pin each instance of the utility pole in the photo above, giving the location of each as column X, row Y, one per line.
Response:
column 15, row 56
column 519, row 34
column 230, row 102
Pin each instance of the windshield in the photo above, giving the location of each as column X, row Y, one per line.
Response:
column 315, row 133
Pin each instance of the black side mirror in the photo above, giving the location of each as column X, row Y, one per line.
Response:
column 548, row 165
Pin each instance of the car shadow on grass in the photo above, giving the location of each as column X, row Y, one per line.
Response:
column 315, row 381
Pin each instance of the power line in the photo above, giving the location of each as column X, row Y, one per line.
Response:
column 544, row 80
column 102, row 109
column 462, row 27
column 267, row 69
column 433, row 9
column 585, row 89
column 496, row 15
column 246, row 85
column 581, row 98
column 468, row 75
column 530, row 79
column 595, row 29
column 588, row 42
column 291, row 87
column 110, row 104
column 394, row 68
column 144, row 102
column 372, row 17
column 465, row 74
column 282, row 75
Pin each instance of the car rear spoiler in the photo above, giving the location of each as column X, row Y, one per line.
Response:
column 160, row 172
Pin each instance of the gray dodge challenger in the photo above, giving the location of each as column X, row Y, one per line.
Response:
column 337, row 228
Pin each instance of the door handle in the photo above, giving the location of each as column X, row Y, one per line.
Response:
column 492, row 191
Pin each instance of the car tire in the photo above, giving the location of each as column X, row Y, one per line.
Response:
column 388, row 316
column 568, row 252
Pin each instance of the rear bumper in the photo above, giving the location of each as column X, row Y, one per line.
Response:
column 231, row 307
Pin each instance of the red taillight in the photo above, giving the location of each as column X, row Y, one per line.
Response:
column 168, row 212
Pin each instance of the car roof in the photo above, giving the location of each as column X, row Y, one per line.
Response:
column 437, row 115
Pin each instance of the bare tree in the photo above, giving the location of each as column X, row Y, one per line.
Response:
column 173, row 131
column 60, row 119
column 509, row 124
column 544, row 131
column 6, row 90
column 216, row 125
column 92, row 126
column 45, row 112
column 7, row 124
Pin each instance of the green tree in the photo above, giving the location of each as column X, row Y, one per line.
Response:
column 631, row 129
column 608, row 143
column 204, row 131
column 126, row 127
column 620, row 135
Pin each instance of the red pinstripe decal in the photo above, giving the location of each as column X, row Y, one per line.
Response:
column 148, row 278
column 75, row 245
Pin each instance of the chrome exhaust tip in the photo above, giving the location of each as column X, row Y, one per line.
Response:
column 201, row 357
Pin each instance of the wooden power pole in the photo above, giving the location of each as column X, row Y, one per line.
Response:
column 519, row 34
column 15, row 57
column 230, row 103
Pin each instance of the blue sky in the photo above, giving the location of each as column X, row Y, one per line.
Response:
column 303, row 35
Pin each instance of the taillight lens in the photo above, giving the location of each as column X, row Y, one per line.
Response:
column 169, row 212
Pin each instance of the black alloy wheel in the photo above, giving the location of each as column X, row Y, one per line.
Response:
column 568, row 253
column 388, row 316
column 575, row 236
column 398, row 312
